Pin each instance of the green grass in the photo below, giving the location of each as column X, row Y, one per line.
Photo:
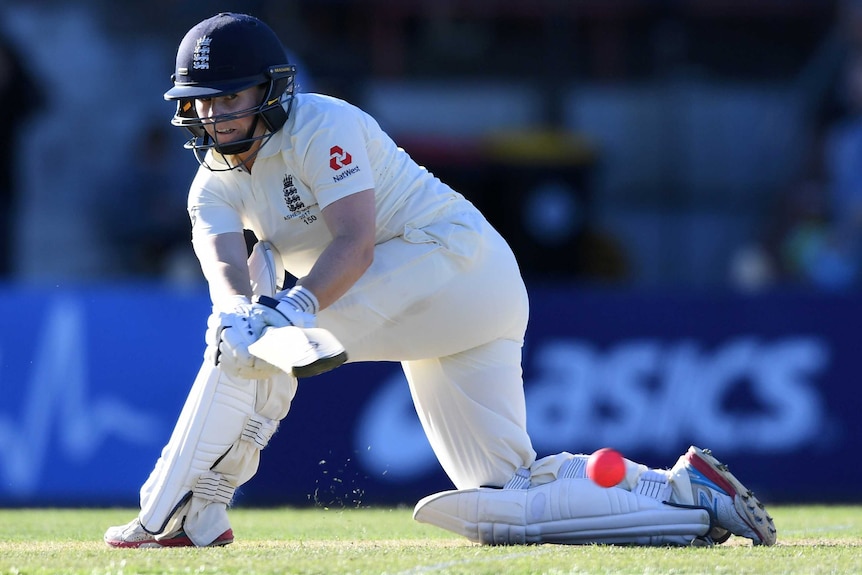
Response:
column 811, row 540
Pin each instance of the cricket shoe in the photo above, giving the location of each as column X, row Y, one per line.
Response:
column 132, row 535
column 733, row 507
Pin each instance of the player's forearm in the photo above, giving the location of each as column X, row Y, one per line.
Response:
column 226, row 282
column 340, row 265
column 351, row 220
column 224, row 265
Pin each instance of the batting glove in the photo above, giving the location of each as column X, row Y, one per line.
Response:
column 297, row 307
column 228, row 337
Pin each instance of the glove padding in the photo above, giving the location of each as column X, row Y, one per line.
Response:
column 269, row 308
column 230, row 334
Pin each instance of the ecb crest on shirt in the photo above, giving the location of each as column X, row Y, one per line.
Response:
column 294, row 203
column 291, row 195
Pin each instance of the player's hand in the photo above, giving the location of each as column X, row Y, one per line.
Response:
column 228, row 337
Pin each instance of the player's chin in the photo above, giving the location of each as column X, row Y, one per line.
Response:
column 223, row 141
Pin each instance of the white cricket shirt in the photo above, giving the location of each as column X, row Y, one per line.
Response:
column 327, row 149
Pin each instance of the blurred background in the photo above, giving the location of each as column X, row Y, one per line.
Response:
column 703, row 143
column 681, row 181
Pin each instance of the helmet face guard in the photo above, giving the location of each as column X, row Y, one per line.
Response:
column 273, row 111
column 225, row 55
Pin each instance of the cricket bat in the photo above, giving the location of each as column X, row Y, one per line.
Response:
column 304, row 352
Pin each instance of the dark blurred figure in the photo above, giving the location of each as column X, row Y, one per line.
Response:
column 816, row 236
column 839, row 258
column 19, row 99
column 824, row 248
column 152, row 242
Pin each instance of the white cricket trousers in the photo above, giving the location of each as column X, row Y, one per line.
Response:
column 447, row 301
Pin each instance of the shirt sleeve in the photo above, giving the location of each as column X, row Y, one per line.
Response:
column 210, row 211
column 336, row 162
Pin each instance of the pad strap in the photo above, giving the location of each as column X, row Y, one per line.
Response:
column 214, row 487
column 653, row 484
column 259, row 430
column 520, row 480
column 574, row 468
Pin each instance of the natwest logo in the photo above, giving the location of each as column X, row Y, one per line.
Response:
column 338, row 158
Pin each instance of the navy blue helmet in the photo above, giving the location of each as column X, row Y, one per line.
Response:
column 224, row 55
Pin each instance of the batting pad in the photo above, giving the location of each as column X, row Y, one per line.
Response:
column 565, row 511
column 214, row 448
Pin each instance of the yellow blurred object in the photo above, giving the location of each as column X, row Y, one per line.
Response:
column 544, row 147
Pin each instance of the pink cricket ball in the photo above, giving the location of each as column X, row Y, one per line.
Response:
column 606, row 467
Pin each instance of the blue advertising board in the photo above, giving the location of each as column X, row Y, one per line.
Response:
column 93, row 378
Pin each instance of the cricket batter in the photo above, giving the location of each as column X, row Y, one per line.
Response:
column 393, row 265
